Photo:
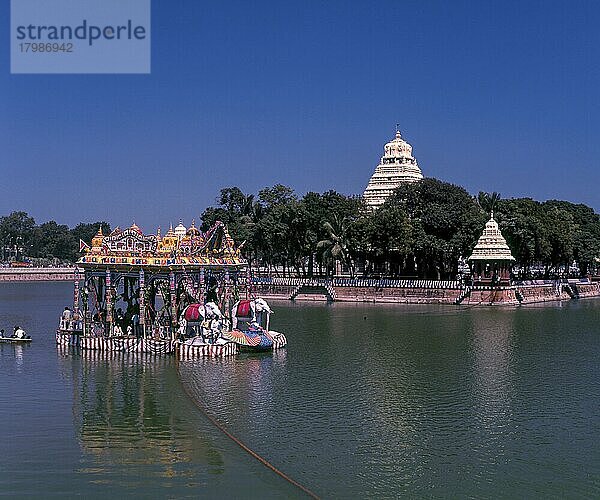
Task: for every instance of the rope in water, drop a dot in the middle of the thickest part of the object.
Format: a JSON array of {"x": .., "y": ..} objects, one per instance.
[{"x": 237, "y": 441}]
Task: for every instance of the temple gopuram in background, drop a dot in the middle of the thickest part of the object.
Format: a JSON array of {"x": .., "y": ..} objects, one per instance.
[
  {"x": 491, "y": 261},
  {"x": 397, "y": 166}
]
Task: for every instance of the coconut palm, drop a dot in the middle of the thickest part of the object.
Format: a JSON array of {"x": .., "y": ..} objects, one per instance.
[
  {"x": 335, "y": 246},
  {"x": 488, "y": 201}
]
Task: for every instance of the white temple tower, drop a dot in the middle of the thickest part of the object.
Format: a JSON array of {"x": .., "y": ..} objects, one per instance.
[{"x": 396, "y": 167}]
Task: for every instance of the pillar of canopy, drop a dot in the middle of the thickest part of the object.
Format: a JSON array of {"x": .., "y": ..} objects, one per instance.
[{"x": 491, "y": 261}]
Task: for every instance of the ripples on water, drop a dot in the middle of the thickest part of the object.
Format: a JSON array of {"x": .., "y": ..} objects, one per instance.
[
  {"x": 420, "y": 401},
  {"x": 367, "y": 401},
  {"x": 97, "y": 424}
]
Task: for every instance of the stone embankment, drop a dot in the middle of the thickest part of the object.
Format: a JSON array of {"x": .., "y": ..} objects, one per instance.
[
  {"x": 424, "y": 291},
  {"x": 375, "y": 290},
  {"x": 37, "y": 274}
]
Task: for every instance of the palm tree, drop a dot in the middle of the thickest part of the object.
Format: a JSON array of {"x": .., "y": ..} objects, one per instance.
[
  {"x": 488, "y": 201},
  {"x": 335, "y": 246}
]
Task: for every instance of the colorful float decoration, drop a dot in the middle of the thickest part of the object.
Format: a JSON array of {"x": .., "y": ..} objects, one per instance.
[{"x": 161, "y": 294}]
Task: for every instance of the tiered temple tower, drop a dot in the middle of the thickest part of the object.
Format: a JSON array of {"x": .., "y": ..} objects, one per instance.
[
  {"x": 397, "y": 166},
  {"x": 491, "y": 260}
]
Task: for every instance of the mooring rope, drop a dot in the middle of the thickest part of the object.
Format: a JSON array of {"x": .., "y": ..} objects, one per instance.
[{"x": 237, "y": 441}]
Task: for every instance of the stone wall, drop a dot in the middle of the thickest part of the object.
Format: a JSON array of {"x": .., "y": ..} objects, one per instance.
[
  {"x": 589, "y": 290},
  {"x": 425, "y": 295},
  {"x": 397, "y": 295},
  {"x": 275, "y": 291},
  {"x": 37, "y": 274},
  {"x": 430, "y": 294},
  {"x": 489, "y": 296}
]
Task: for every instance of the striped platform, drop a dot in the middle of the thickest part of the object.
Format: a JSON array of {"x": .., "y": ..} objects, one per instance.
[
  {"x": 156, "y": 347},
  {"x": 67, "y": 339},
  {"x": 127, "y": 344},
  {"x": 279, "y": 340},
  {"x": 191, "y": 351}
]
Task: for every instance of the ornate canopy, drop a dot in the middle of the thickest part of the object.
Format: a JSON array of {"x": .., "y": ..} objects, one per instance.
[{"x": 180, "y": 248}]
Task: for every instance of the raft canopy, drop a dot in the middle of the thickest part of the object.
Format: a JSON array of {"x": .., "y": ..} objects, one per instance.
[
  {"x": 491, "y": 245},
  {"x": 187, "y": 249}
]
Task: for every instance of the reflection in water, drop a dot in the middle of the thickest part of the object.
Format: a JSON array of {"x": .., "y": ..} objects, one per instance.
[
  {"x": 366, "y": 401},
  {"x": 242, "y": 385},
  {"x": 19, "y": 358},
  {"x": 14, "y": 354},
  {"x": 123, "y": 415},
  {"x": 492, "y": 352}
]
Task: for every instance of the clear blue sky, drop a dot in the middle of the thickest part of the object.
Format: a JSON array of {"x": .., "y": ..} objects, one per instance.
[{"x": 498, "y": 96}]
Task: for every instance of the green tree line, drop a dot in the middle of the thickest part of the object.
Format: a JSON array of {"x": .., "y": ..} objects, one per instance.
[
  {"x": 22, "y": 239},
  {"x": 423, "y": 230}
]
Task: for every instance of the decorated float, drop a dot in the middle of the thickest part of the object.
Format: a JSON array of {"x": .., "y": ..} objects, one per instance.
[{"x": 187, "y": 292}]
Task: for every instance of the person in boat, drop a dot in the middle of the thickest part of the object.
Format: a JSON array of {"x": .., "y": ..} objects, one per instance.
[{"x": 19, "y": 333}]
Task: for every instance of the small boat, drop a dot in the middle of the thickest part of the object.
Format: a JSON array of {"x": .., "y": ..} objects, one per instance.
[{"x": 15, "y": 340}]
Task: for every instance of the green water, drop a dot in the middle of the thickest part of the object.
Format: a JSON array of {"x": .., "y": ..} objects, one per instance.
[{"x": 366, "y": 401}]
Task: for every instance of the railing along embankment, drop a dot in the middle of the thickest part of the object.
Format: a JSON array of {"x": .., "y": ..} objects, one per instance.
[
  {"x": 412, "y": 291},
  {"x": 37, "y": 273}
]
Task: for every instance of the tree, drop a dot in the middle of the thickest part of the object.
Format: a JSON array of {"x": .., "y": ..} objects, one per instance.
[
  {"x": 335, "y": 246},
  {"x": 54, "y": 241},
  {"x": 488, "y": 201},
  {"x": 387, "y": 238},
  {"x": 320, "y": 208},
  {"x": 16, "y": 233},
  {"x": 446, "y": 222},
  {"x": 276, "y": 195}
]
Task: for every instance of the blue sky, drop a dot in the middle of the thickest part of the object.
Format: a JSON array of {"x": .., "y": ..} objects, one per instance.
[{"x": 497, "y": 96}]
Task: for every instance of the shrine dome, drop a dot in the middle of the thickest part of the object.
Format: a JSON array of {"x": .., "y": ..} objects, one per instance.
[
  {"x": 180, "y": 230},
  {"x": 193, "y": 230},
  {"x": 397, "y": 147},
  {"x": 491, "y": 245}
]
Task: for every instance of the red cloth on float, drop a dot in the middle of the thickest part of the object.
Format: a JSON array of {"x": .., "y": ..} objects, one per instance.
[
  {"x": 192, "y": 313},
  {"x": 243, "y": 309}
]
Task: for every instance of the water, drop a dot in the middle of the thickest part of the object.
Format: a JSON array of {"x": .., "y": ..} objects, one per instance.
[{"x": 366, "y": 401}]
